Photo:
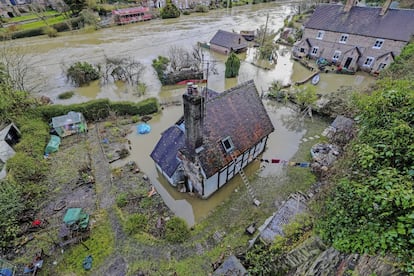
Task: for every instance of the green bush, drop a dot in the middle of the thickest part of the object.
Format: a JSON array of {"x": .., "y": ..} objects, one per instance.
[
  {"x": 10, "y": 208},
  {"x": 176, "y": 230},
  {"x": 170, "y": 11},
  {"x": 136, "y": 223},
  {"x": 66, "y": 95},
  {"x": 81, "y": 73},
  {"x": 27, "y": 33},
  {"x": 186, "y": 12},
  {"x": 232, "y": 66},
  {"x": 201, "y": 8},
  {"x": 73, "y": 23},
  {"x": 122, "y": 200},
  {"x": 100, "y": 108},
  {"x": 50, "y": 31},
  {"x": 160, "y": 65}
]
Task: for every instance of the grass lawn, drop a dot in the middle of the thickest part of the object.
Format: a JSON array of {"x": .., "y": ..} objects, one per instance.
[
  {"x": 28, "y": 17},
  {"x": 38, "y": 24}
]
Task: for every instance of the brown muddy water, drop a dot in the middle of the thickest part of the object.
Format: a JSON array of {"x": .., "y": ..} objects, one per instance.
[{"x": 147, "y": 40}]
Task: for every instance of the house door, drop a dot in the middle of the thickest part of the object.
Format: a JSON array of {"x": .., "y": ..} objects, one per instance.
[{"x": 347, "y": 62}]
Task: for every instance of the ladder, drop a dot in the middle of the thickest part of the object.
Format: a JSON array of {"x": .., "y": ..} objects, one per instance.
[{"x": 245, "y": 180}]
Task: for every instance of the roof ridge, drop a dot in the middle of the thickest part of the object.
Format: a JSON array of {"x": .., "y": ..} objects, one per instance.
[{"x": 228, "y": 91}]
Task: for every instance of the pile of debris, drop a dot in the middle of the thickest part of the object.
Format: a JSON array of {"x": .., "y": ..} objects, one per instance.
[{"x": 323, "y": 156}]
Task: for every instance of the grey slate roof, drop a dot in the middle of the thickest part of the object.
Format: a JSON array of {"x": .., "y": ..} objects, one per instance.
[
  {"x": 231, "y": 266},
  {"x": 396, "y": 24},
  {"x": 165, "y": 152},
  {"x": 229, "y": 40}
]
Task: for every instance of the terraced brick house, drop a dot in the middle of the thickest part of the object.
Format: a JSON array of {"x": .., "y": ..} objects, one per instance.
[
  {"x": 219, "y": 134},
  {"x": 356, "y": 37}
]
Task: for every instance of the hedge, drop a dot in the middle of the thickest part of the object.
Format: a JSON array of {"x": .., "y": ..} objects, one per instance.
[
  {"x": 73, "y": 23},
  {"x": 99, "y": 109}
]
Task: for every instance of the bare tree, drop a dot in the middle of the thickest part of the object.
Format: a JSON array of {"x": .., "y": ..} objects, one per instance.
[
  {"x": 125, "y": 69},
  {"x": 16, "y": 66}
]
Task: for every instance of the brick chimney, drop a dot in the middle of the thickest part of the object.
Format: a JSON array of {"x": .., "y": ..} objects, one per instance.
[
  {"x": 193, "y": 118},
  {"x": 349, "y": 4},
  {"x": 385, "y": 7}
]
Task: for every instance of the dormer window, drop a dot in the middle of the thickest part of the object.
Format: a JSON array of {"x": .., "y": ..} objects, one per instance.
[
  {"x": 378, "y": 44},
  {"x": 320, "y": 35},
  {"x": 227, "y": 144},
  {"x": 344, "y": 38}
]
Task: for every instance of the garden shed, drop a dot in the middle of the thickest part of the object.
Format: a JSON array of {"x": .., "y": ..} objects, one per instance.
[
  {"x": 69, "y": 124},
  {"x": 9, "y": 136}
]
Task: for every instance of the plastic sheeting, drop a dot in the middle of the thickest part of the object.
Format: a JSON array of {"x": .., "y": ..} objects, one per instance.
[{"x": 143, "y": 128}]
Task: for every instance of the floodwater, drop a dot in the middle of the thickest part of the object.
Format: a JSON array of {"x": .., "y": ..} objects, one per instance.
[
  {"x": 282, "y": 144},
  {"x": 146, "y": 41}
]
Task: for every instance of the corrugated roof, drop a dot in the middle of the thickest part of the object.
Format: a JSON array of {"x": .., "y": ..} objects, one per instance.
[
  {"x": 229, "y": 40},
  {"x": 396, "y": 24},
  {"x": 70, "y": 118}
]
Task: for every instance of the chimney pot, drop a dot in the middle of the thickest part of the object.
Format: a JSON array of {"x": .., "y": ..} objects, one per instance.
[
  {"x": 189, "y": 88},
  {"x": 195, "y": 89}
]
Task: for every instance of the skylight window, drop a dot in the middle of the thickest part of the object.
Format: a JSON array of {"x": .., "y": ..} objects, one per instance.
[{"x": 227, "y": 144}]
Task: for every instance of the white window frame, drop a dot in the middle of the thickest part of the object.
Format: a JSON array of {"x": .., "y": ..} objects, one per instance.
[
  {"x": 227, "y": 144},
  {"x": 314, "y": 51},
  {"x": 378, "y": 44},
  {"x": 320, "y": 35},
  {"x": 369, "y": 61},
  {"x": 344, "y": 38},
  {"x": 382, "y": 66},
  {"x": 336, "y": 55}
]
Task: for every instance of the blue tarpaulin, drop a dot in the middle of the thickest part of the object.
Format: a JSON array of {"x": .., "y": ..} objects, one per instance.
[{"x": 143, "y": 128}]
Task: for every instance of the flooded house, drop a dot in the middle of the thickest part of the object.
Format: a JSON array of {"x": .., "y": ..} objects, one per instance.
[
  {"x": 356, "y": 37},
  {"x": 226, "y": 42},
  {"x": 9, "y": 136},
  {"x": 219, "y": 134}
]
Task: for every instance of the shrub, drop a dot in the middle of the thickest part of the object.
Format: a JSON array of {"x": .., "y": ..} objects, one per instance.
[
  {"x": 186, "y": 12},
  {"x": 176, "y": 230},
  {"x": 81, "y": 73},
  {"x": 232, "y": 66},
  {"x": 201, "y": 8},
  {"x": 136, "y": 223},
  {"x": 160, "y": 65},
  {"x": 170, "y": 11},
  {"x": 50, "y": 31},
  {"x": 66, "y": 95},
  {"x": 121, "y": 200},
  {"x": 27, "y": 33},
  {"x": 98, "y": 109}
]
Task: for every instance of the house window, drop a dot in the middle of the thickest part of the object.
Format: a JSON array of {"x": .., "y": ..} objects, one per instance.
[
  {"x": 378, "y": 44},
  {"x": 320, "y": 35},
  {"x": 314, "y": 51},
  {"x": 227, "y": 144},
  {"x": 336, "y": 55},
  {"x": 382, "y": 66},
  {"x": 302, "y": 50},
  {"x": 369, "y": 61},
  {"x": 344, "y": 38}
]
